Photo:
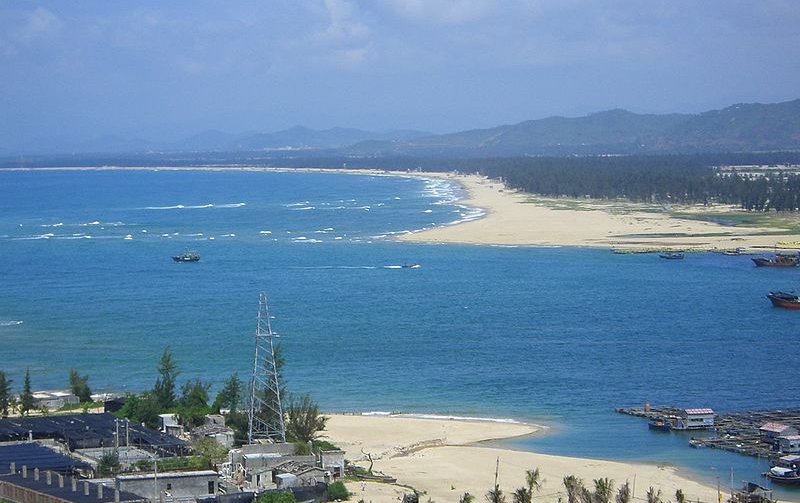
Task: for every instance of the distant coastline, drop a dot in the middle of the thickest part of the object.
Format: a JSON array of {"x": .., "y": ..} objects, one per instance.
[{"x": 512, "y": 218}]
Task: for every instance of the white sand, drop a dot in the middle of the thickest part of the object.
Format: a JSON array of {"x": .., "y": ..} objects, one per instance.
[
  {"x": 515, "y": 218},
  {"x": 439, "y": 457}
]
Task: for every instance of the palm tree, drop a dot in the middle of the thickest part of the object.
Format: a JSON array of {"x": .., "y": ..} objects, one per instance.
[
  {"x": 521, "y": 495},
  {"x": 534, "y": 481},
  {"x": 573, "y": 486},
  {"x": 586, "y": 495},
  {"x": 653, "y": 496},
  {"x": 624, "y": 493},
  {"x": 603, "y": 489},
  {"x": 496, "y": 495}
]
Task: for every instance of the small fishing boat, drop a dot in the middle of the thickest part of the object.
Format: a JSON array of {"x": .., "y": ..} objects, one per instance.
[
  {"x": 780, "y": 260},
  {"x": 784, "y": 300},
  {"x": 659, "y": 424},
  {"x": 672, "y": 255},
  {"x": 188, "y": 256},
  {"x": 785, "y": 470},
  {"x": 410, "y": 265}
]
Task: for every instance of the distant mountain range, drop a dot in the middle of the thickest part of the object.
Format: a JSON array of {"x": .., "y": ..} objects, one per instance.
[{"x": 738, "y": 128}]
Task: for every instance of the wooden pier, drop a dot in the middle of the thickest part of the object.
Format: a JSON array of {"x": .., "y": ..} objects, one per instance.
[{"x": 734, "y": 431}]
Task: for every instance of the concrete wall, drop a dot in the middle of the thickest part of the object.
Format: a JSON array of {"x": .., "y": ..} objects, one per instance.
[{"x": 181, "y": 485}]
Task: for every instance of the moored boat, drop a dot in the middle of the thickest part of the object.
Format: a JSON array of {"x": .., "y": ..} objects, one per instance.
[
  {"x": 672, "y": 255},
  {"x": 784, "y": 300},
  {"x": 780, "y": 260},
  {"x": 659, "y": 424},
  {"x": 785, "y": 470},
  {"x": 188, "y": 256}
]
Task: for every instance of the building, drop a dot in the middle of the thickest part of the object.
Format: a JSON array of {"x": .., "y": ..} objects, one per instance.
[
  {"x": 298, "y": 474},
  {"x": 333, "y": 462},
  {"x": 215, "y": 429},
  {"x": 789, "y": 443},
  {"x": 53, "y": 400},
  {"x": 769, "y": 432},
  {"x": 168, "y": 423},
  {"x": 31, "y": 455},
  {"x": 171, "y": 486},
  {"x": 694, "y": 419},
  {"x": 33, "y": 486},
  {"x": 86, "y": 431}
]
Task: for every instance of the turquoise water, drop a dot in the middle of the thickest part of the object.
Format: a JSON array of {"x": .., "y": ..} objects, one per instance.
[{"x": 559, "y": 336}]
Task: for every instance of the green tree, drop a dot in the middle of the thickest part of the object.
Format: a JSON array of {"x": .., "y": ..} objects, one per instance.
[
  {"x": 5, "y": 394},
  {"x": 230, "y": 396},
  {"x": 164, "y": 389},
  {"x": 304, "y": 421},
  {"x": 277, "y": 497},
  {"x": 624, "y": 493},
  {"x": 209, "y": 451},
  {"x": 533, "y": 481},
  {"x": 679, "y": 496},
  {"x": 193, "y": 404},
  {"x": 653, "y": 496},
  {"x": 521, "y": 495},
  {"x": 26, "y": 402},
  {"x": 79, "y": 385},
  {"x": 466, "y": 498},
  {"x": 573, "y": 485},
  {"x": 338, "y": 491},
  {"x": 141, "y": 409},
  {"x": 108, "y": 465},
  {"x": 603, "y": 490},
  {"x": 495, "y": 495}
]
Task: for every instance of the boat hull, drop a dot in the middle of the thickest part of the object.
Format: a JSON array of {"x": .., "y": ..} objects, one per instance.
[
  {"x": 789, "y": 481},
  {"x": 784, "y": 301},
  {"x": 765, "y": 262}
]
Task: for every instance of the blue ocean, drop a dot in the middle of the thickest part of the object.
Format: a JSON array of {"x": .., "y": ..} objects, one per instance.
[{"x": 557, "y": 336}]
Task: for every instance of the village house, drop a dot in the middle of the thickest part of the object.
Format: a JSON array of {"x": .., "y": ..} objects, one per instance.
[{"x": 769, "y": 432}]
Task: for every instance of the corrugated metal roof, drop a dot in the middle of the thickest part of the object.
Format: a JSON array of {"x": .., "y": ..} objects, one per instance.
[
  {"x": 774, "y": 427},
  {"x": 698, "y": 411}
]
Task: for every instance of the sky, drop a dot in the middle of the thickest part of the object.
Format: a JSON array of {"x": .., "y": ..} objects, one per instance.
[{"x": 161, "y": 71}]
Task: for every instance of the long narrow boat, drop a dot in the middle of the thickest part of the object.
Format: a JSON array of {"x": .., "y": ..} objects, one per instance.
[
  {"x": 778, "y": 261},
  {"x": 784, "y": 300}
]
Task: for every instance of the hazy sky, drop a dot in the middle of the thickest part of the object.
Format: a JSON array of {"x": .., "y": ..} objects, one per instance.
[{"x": 168, "y": 69}]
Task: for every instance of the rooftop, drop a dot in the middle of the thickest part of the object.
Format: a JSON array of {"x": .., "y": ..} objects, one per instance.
[{"x": 66, "y": 493}]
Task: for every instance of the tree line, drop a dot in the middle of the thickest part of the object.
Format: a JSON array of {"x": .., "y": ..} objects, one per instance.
[
  {"x": 688, "y": 178},
  {"x": 24, "y": 403}
]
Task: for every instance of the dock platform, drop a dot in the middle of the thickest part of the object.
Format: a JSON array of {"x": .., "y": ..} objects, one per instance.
[{"x": 734, "y": 431}]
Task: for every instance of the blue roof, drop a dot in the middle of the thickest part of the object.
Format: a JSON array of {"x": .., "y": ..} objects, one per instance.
[
  {"x": 66, "y": 493},
  {"x": 87, "y": 431},
  {"x": 34, "y": 455}
]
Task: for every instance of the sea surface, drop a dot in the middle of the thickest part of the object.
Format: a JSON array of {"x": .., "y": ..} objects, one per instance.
[{"x": 557, "y": 336}]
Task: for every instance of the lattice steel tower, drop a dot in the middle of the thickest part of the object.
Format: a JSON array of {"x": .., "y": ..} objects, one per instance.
[{"x": 265, "y": 418}]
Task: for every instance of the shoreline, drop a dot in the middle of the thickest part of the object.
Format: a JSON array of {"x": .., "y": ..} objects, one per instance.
[
  {"x": 506, "y": 217},
  {"x": 445, "y": 457},
  {"x": 514, "y": 218}
]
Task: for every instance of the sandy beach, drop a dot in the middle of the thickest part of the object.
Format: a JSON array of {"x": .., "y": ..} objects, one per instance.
[
  {"x": 444, "y": 459},
  {"x": 516, "y": 218}
]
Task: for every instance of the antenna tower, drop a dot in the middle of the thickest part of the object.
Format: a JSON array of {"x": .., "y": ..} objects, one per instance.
[{"x": 265, "y": 418}]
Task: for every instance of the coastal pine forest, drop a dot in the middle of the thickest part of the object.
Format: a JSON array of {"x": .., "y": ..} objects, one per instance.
[{"x": 758, "y": 182}]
